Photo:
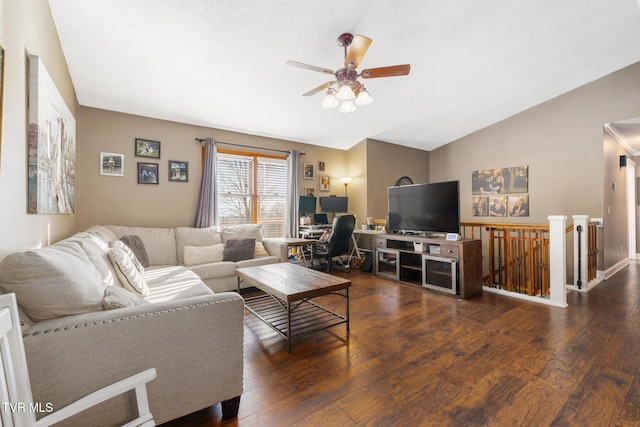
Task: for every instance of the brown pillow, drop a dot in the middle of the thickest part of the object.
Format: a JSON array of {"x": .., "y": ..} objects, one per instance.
[
  {"x": 134, "y": 242},
  {"x": 239, "y": 249}
]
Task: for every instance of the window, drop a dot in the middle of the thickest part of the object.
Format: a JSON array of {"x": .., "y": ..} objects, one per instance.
[{"x": 252, "y": 188}]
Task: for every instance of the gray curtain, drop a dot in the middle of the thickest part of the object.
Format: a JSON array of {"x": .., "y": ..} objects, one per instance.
[
  {"x": 291, "y": 220},
  {"x": 207, "y": 213}
]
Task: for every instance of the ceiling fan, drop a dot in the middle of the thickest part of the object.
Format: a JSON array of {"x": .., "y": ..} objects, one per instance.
[{"x": 346, "y": 86}]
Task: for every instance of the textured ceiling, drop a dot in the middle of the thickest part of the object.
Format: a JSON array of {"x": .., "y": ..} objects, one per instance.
[{"x": 221, "y": 64}]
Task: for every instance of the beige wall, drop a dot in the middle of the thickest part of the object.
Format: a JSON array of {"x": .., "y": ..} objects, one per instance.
[
  {"x": 562, "y": 143},
  {"x": 357, "y": 189},
  {"x": 28, "y": 29},
  {"x": 615, "y": 203},
  {"x": 385, "y": 164},
  {"x": 373, "y": 165},
  {"x": 121, "y": 200}
]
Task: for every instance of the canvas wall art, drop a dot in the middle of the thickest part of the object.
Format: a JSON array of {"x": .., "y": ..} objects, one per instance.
[
  {"x": 501, "y": 181},
  {"x": 51, "y": 146}
]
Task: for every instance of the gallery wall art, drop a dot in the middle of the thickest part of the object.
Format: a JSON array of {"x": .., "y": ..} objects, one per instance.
[
  {"x": 501, "y": 192},
  {"x": 51, "y": 146}
]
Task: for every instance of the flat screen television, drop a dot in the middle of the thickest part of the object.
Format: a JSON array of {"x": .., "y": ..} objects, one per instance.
[
  {"x": 433, "y": 207},
  {"x": 307, "y": 204},
  {"x": 334, "y": 204}
]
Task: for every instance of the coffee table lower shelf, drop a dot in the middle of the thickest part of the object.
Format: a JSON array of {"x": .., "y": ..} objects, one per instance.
[{"x": 298, "y": 318}]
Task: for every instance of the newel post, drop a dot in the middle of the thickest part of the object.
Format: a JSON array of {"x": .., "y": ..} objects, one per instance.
[
  {"x": 580, "y": 251},
  {"x": 558, "y": 259}
]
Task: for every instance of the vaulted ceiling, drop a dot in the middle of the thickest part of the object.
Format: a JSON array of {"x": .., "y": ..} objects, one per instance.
[{"x": 221, "y": 63}]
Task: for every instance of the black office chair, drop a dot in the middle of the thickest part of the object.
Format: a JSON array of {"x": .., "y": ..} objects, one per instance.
[{"x": 338, "y": 243}]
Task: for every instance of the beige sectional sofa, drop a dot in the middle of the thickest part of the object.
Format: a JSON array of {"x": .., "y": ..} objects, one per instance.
[
  {"x": 168, "y": 246},
  {"x": 192, "y": 335}
]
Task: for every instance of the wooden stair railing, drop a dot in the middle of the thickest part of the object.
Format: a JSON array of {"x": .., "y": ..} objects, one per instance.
[{"x": 518, "y": 256}]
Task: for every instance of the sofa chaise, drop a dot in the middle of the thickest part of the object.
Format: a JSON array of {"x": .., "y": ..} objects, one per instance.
[{"x": 89, "y": 318}]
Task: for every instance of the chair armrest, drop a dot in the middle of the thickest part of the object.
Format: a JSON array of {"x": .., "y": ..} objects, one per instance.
[
  {"x": 137, "y": 382},
  {"x": 276, "y": 247}
]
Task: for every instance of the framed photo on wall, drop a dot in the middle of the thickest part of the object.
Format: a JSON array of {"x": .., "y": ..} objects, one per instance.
[
  {"x": 308, "y": 170},
  {"x": 147, "y": 148},
  {"x": 310, "y": 191},
  {"x": 178, "y": 171},
  {"x": 325, "y": 183},
  {"x": 111, "y": 164},
  {"x": 147, "y": 173}
]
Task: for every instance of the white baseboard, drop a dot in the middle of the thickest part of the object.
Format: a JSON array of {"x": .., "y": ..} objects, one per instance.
[
  {"x": 615, "y": 268},
  {"x": 525, "y": 297}
]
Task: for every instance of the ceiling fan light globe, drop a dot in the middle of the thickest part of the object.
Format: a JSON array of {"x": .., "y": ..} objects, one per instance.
[
  {"x": 345, "y": 93},
  {"x": 347, "y": 107},
  {"x": 330, "y": 101},
  {"x": 364, "y": 98}
]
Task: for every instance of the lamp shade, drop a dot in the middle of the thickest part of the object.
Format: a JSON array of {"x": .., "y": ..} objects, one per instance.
[
  {"x": 364, "y": 98},
  {"x": 345, "y": 179},
  {"x": 347, "y": 107},
  {"x": 330, "y": 100},
  {"x": 345, "y": 93}
]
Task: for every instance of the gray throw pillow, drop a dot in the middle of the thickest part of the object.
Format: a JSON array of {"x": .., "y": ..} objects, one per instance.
[
  {"x": 239, "y": 249},
  {"x": 137, "y": 247}
]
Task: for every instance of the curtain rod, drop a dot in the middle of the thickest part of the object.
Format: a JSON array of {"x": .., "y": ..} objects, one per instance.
[{"x": 201, "y": 140}]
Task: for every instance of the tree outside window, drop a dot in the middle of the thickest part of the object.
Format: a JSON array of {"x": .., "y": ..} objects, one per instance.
[{"x": 252, "y": 188}]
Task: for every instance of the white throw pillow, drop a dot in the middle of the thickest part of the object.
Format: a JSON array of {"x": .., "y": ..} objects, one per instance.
[
  {"x": 118, "y": 244},
  {"x": 129, "y": 275},
  {"x": 190, "y": 236},
  {"x": 198, "y": 255},
  {"x": 116, "y": 297}
]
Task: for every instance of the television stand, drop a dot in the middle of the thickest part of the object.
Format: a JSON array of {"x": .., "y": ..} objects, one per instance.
[{"x": 453, "y": 267}]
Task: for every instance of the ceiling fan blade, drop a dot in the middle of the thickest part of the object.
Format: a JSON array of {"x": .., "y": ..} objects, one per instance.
[
  {"x": 358, "y": 48},
  {"x": 391, "y": 71},
  {"x": 310, "y": 67},
  {"x": 319, "y": 88}
]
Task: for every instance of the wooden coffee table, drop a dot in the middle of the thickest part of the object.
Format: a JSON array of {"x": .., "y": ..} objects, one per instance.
[{"x": 287, "y": 307}]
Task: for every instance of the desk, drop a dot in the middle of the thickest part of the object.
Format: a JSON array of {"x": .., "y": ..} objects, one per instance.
[
  {"x": 293, "y": 242},
  {"x": 307, "y": 232},
  {"x": 357, "y": 241}
]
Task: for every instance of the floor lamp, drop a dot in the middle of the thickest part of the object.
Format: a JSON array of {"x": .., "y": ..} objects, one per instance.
[{"x": 345, "y": 180}]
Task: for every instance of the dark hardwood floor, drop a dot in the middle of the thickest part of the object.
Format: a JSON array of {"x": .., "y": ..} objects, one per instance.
[{"x": 415, "y": 357}]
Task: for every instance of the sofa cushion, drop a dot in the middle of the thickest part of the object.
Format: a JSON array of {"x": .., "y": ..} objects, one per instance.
[
  {"x": 117, "y": 297},
  {"x": 97, "y": 250},
  {"x": 214, "y": 270},
  {"x": 58, "y": 280},
  {"x": 134, "y": 242},
  {"x": 129, "y": 275},
  {"x": 239, "y": 249},
  {"x": 191, "y": 236},
  {"x": 173, "y": 283},
  {"x": 160, "y": 243},
  {"x": 196, "y": 255},
  {"x": 242, "y": 231},
  {"x": 102, "y": 232}
]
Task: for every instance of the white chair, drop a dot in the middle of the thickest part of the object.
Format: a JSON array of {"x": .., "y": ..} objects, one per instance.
[{"x": 16, "y": 402}]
